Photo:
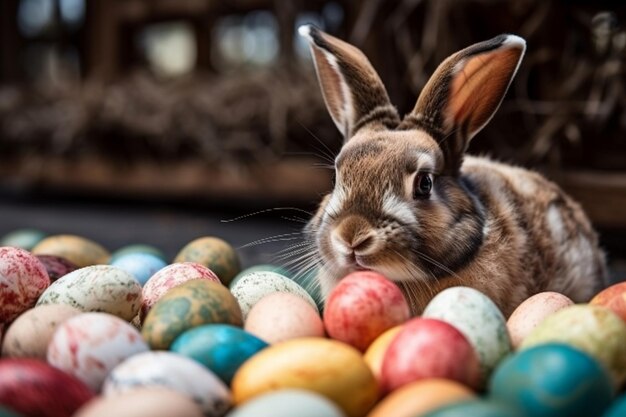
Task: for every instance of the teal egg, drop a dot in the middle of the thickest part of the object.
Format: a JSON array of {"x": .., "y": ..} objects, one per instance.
[
  {"x": 308, "y": 281},
  {"x": 553, "y": 380},
  {"x": 23, "y": 238},
  {"x": 5, "y": 412},
  {"x": 141, "y": 265},
  {"x": 220, "y": 347},
  {"x": 137, "y": 248},
  {"x": 476, "y": 408},
  {"x": 618, "y": 409}
]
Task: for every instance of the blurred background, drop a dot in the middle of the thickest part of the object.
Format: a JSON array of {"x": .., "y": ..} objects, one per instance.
[{"x": 154, "y": 121}]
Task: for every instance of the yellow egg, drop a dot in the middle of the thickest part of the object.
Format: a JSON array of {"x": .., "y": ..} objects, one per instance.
[
  {"x": 78, "y": 250},
  {"x": 216, "y": 254},
  {"x": 376, "y": 351},
  {"x": 328, "y": 367}
]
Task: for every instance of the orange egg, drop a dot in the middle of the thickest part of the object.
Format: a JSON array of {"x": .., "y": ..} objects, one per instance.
[
  {"x": 614, "y": 298},
  {"x": 376, "y": 352}
]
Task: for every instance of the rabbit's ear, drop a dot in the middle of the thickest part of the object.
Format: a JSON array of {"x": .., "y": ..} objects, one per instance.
[
  {"x": 354, "y": 94},
  {"x": 464, "y": 93}
]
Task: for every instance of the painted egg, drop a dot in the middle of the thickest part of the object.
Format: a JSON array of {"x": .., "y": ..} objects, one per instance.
[
  {"x": 30, "y": 333},
  {"x": 216, "y": 254},
  {"x": 282, "y": 316},
  {"x": 614, "y": 298},
  {"x": 220, "y": 347},
  {"x": 256, "y": 285},
  {"x": 260, "y": 268},
  {"x": 56, "y": 266},
  {"x": 173, "y": 371},
  {"x": 429, "y": 348},
  {"x": 552, "y": 380},
  {"x": 327, "y": 367},
  {"x": 169, "y": 277},
  {"x": 22, "y": 280},
  {"x": 362, "y": 306},
  {"x": 137, "y": 248},
  {"x": 33, "y": 388},
  {"x": 23, "y": 238},
  {"x": 189, "y": 305},
  {"x": 288, "y": 403},
  {"x": 308, "y": 280},
  {"x": 5, "y": 412},
  {"x": 476, "y": 408},
  {"x": 142, "y": 402},
  {"x": 88, "y": 346},
  {"x": 140, "y": 265},
  {"x": 532, "y": 312},
  {"x": 618, "y": 408},
  {"x": 78, "y": 250},
  {"x": 478, "y": 318},
  {"x": 101, "y": 288},
  {"x": 421, "y": 397},
  {"x": 375, "y": 353},
  {"x": 593, "y": 329}
]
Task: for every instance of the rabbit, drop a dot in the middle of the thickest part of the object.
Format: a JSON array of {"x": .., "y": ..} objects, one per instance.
[{"x": 409, "y": 204}]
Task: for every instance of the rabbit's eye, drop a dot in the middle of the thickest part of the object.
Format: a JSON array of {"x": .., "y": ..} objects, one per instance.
[{"x": 422, "y": 185}]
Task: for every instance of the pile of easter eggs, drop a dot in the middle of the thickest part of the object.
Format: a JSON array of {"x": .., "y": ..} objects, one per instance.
[{"x": 89, "y": 333}]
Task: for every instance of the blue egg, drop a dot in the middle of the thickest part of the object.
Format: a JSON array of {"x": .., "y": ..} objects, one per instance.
[
  {"x": 618, "y": 409},
  {"x": 140, "y": 265},
  {"x": 137, "y": 248},
  {"x": 23, "y": 238},
  {"x": 476, "y": 408},
  {"x": 553, "y": 380},
  {"x": 220, "y": 347}
]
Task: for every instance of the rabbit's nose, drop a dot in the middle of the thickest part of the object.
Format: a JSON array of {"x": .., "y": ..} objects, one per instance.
[{"x": 351, "y": 241}]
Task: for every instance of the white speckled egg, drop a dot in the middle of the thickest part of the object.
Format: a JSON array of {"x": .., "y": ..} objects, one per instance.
[
  {"x": 478, "y": 318},
  {"x": 176, "y": 372},
  {"x": 250, "y": 288},
  {"x": 88, "y": 346},
  {"x": 288, "y": 403},
  {"x": 102, "y": 288}
]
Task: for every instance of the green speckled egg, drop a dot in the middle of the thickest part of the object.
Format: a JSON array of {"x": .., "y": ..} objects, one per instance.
[
  {"x": 137, "y": 248},
  {"x": 78, "y": 250},
  {"x": 189, "y": 305},
  {"x": 23, "y": 238},
  {"x": 216, "y": 254},
  {"x": 259, "y": 268},
  {"x": 593, "y": 329}
]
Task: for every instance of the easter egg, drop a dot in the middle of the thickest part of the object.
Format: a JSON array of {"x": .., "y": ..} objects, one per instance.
[
  {"x": 614, "y": 298},
  {"x": 29, "y": 335},
  {"x": 533, "y": 311},
  {"x": 90, "y": 345},
  {"x": 100, "y": 288},
  {"x": 476, "y": 408},
  {"x": 23, "y": 238},
  {"x": 173, "y": 371},
  {"x": 169, "y": 277},
  {"x": 375, "y": 353},
  {"x": 362, "y": 306},
  {"x": 282, "y": 316},
  {"x": 33, "y": 388},
  {"x": 56, "y": 267},
  {"x": 220, "y": 347},
  {"x": 308, "y": 280},
  {"x": 140, "y": 265},
  {"x": 78, "y": 250},
  {"x": 260, "y": 268},
  {"x": 327, "y": 367},
  {"x": 421, "y": 397},
  {"x": 552, "y": 380},
  {"x": 288, "y": 403},
  {"x": 137, "y": 248},
  {"x": 189, "y": 305},
  {"x": 256, "y": 285},
  {"x": 142, "y": 402},
  {"x": 478, "y": 318},
  {"x": 214, "y": 253},
  {"x": 22, "y": 280},
  {"x": 593, "y": 329},
  {"x": 429, "y": 348},
  {"x": 5, "y": 412},
  {"x": 618, "y": 408}
]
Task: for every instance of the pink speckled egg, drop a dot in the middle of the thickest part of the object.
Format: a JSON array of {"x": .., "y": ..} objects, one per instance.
[
  {"x": 169, "y": 277},
  {"x": 532, "y": 312},
  {"x": 56, "y": 266},
  {"x": 88, "y": 346},
  {"x": 23, "y": 279},
  {"x": 282, "y": 316}
]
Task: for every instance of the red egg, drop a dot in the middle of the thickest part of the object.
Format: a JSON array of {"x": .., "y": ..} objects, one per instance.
[
  {"x": 429, "y": 348},
  {"x": 56, "y": 266},
  {"x": 613, "y": 298},
  {"x": 362, "y": 306},
  {"x": 35, "y": 389}
]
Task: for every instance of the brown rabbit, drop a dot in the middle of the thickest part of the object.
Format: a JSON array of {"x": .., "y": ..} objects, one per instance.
[{"x": 408, "y": 202}]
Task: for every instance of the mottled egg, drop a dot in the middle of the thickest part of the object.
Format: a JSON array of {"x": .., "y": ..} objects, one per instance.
[
  {"x": 362, "y": 306},
  {"x": 593, "y": 329},
  {"x": 478, "y": 318},
  {"x": 140, "y": 265},
  {"x": 88, "y": 346},
  {"x": 30, "y": 333},
  {"x": 78, "y": 250},
  {"x": 56, "y": 266},
  {"x": 375, "y": 353},
  {"x": 216, "y": 254},
  {"x": 173, "y": 371},
  {"x": 22, "y": 280},
  {"x": 552, "y": 380},
  {"x": 476, "y": 408},
  {"x": 103, "y": 288},
  {"x": 189, "y": 305},
  {"x": 532, "y": 312},
  {"x": 23, "y": 238},
  {"x": 137, "y": 248},
  {"x": 35, "y": 389},
  {"x": 288, "y": 403},
  {"x": 421, "y": 397},
  {"x": 260, "y": 268},
  {"x": 220, "y": 347},
  {"x": 256, "y": 285},
  {"x": 327, "y": 367},
  {"x": 169, "y": 277},
  {"x": 618, "y": 408},
  {"x": 282, "y": 316},
  {"x": 614, "y": 298},
  {"x": 429, "y": 348}
]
